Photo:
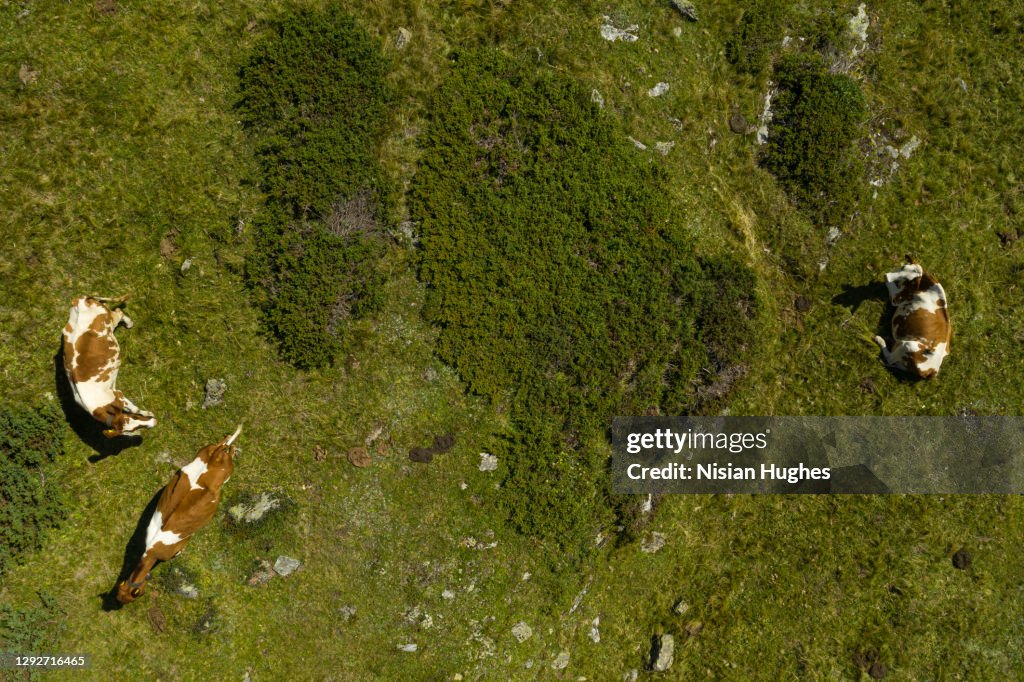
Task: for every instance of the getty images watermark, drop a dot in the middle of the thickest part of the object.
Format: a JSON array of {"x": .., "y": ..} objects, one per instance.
[{"x": 818, "y": 454}]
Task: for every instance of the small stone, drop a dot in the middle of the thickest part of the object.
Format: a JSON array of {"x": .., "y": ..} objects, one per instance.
[
  {"x": 637, "y": 143},
  {"x": 359, "y": 457},
  {"x": 681, "y": 608},
  {"x": 612, "y": 34},
  {"x": 186, "y": 265},
  {"x": 858, "y": 25},
  {"x": 402, "y": 38},
  {"x": 595, "y": 631},
  {"x": 652, "y": 543},
  {"x": 522, "y": 632},
  {"x": 285, "y": 565},
  {"x": 908, "y": 149},
  {"x": 561, "y": 661},
  {"x": 448, "y": 594},
  {"x": 347, "y": 612},
  {"x": 408, "y": 648},
  {"x": 488, "y": 462},
  {"x": 686, "y": 8},
  {"x": 319, "y": 454},
  {"x": 662, "y": 653},
  {"x": 214, "y": 392},
  {"x": 631, "y": 676},
  {"x": 596, "y": 98},
  {"x": 833, "y": 236},
  {"x": 962, "y": 559},
  {"x": 658, "y": 90},
  {"x": 664, "y": 147}
]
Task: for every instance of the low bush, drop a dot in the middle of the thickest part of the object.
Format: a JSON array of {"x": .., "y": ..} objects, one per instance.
[
  {"x": 30, "y": 439},
  {"x": 561, "y": 277},
  {"x": 33, "y": 629},
  {"x": 316, "y": 103},
  {"x": 757, "y": 36},
  {"x": 818, "y": 117}
]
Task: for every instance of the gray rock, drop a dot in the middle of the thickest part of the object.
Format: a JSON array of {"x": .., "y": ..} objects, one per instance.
[
  {"x": 255, "y": 509},
  {"x": 595, "y": 630},
  {"x": 409, "y": 648},
  {"x": 561, "y": 661},
  {"x": 186, "y": 265},
  {"x": 215, "y": 389},
  {"x": 402, "y": 38},
  {"x": 658, "y": 90},
  {"x": 488, "y": 462},
  {"x": 637, "y": 143},
  {"x": 681, "y": 608},
  {"x": 686, "y": 8},
  {"x": 611, "y": 34},
  {"x": 652, "y": 542},
  {"x": 664, "y": 147},
  {"x": 285, "y": 565},
  {"x": 448, "y": 594},
  {"x": 347, "y": 612},
  {"x": 597, "y": 98},
  {"x": 662, "y": 653},
  {"x": 631, "y": 675},
  {"x": 522, "y": 632}
]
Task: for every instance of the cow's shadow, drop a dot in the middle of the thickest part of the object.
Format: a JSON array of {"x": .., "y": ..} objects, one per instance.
[
  {"x": 81, "y": 422},
  {"x": 852, "y": 298},
  {"x": 133, "y": 552}
]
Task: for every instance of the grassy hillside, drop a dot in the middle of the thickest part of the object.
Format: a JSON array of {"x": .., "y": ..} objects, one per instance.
[{"x": 123, "y": 158}]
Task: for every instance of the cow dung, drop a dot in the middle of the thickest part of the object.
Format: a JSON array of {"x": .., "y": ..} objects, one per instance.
[
  {"x": 422, "y": 455},
  {"x": 962, "y": 559},
  {"x": 360, "y": 457}
]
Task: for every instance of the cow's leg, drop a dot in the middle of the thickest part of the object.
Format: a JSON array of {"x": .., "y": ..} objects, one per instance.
[
  {"x": 892, "y": 358},
  {"x": 129, "y": 406},
  {"x": 121, "y": 318}
]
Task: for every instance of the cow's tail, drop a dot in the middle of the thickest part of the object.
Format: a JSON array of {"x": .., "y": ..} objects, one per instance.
[
  {"x": 231, "y": 439},
  {"x": 112, "y": 302}
]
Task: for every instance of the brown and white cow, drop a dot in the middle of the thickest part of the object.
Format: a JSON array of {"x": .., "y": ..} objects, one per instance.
[
  {"x": 186, "y": 504},
  {"x": 92, "y": 358},
  {"x": 920, "y": 326}
]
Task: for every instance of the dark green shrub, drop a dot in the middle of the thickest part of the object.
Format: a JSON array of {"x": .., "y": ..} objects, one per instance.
[
  {"x": 316, "y": 103},
  {"x": 29, "y": 503},
  {"x": 812, "y": 143},
  {"x": 559, "y": 273},
  {"x": 757, "y": 36}
]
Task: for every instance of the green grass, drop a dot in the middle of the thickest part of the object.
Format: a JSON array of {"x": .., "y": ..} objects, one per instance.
[{"x": 127, "y": 137}]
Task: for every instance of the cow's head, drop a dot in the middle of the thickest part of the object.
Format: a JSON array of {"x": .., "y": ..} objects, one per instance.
[
  {"x": 132, "y": 588},
  {"x": 121, "y": 421}
]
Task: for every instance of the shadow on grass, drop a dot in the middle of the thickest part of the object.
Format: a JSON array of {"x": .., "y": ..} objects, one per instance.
[
  {"x": 853, "y": 296},
  {"x": 81, "y": 422},
  {"x": 133, "y": 552}
]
